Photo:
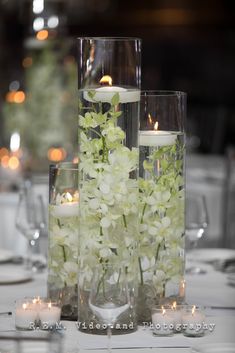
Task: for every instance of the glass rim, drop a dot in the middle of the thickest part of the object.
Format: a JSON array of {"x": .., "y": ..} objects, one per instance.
[
  {"x": 162, "y": 93},
  {"x": 121, "y": 39},
  {"x": 65, "y": 166}
]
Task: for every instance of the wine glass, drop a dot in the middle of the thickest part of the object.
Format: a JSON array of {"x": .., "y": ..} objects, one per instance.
[
  {"x": 109, "y": 295},
  {"x": 196, "y": 223},
  {"x": 27, "y": 223}
]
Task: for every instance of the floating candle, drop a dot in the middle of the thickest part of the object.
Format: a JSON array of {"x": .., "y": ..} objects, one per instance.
[
  {"x": 66, "y": 205},
  {"x": 105, "y": 94}
]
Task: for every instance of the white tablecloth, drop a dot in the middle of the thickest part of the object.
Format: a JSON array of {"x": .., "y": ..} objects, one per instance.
[{"x": 210, "y": 289}]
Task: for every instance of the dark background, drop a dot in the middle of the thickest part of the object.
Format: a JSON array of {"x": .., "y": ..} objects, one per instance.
[{"x": 187, "y": 45}]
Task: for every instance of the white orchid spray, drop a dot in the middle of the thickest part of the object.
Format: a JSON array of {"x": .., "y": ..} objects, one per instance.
[
  {"x": 109, "y": 197},
  {"x": 63, "y": 250},
  {"x": 161, "y": 232}
]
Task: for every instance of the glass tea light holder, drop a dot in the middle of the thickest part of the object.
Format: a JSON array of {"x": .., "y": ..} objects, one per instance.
[
  {"x": 26, "y": 314},
  {"x": 193, "y": 318},
  {"x": 49, "y": 316},
  {"x": 163, "y": 321}
]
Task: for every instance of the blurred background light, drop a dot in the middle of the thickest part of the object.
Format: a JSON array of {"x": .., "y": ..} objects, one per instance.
[
  {"x": 38, "y": 24},
  {"x": 42, "y": 35},
  {"x": 27, "y": 61},
  {"x": 19, "y": 97},
  {"x": 3, "y": 152},
  {"x": 4, "y": 161},
  {"x": 13, "y": 162},
  {"x": 15, "y": 142},
  {"x": 56, "y": 154},
  {"x": 38, "y": 6},
  {"x": 53, "y": 21},
  {"x": 14, "y": 86},
  {"x": 15, "y": 97}
]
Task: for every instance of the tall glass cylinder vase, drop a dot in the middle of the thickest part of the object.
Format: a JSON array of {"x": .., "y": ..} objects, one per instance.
[
  {"x": 161, "y": 203},
  {"x": 109, "y": 97},
  {"x": 63, "y": 238}
]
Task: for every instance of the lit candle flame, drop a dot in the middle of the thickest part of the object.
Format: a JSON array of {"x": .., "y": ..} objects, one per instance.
[
  {"x": 193, "y": 309},
  {"x": 24, "y": 306},
  {"x": 150, "y": 119},
  {"x": 163, "y": 311},
  {"x": 174, "y": 305},
  {"x": 36, "y": 300},
  {"x": 106, "y": 80},
  {"x": 156, "y": 126},
  {"x": 69, "y": 197},
  {"x": 49, "y": 305}
]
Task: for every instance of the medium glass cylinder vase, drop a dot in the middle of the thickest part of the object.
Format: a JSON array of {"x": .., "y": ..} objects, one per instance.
[
  {"x": 109, "y": 97},
  {"x": 63, "y": 238},
  {"x": 161, "y": 200}
]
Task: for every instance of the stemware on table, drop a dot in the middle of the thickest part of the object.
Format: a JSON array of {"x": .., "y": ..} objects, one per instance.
[
  {"x": 29, "y": 220},
  {"x": 109, "y": 295},
  {"x": 196, "y": 224}
]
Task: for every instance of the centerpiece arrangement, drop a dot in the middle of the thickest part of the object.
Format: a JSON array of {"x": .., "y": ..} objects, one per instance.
[{"x": 130, "y": 186}]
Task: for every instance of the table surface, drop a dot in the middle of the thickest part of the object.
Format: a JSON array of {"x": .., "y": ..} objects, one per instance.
[{"x": 210, "y": 290}]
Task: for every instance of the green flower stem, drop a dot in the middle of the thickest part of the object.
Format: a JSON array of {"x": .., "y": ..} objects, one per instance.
[
  {"x": 144, "y": 209},
  {"x": 63, "y": 252},
  {"x": 105, "y": 154},
  {"x": 156, "y": 256},
  {"x": 141, "y": 272},
  {"x": 124, "y": 221},
  {"x": 95, "y": 132}
]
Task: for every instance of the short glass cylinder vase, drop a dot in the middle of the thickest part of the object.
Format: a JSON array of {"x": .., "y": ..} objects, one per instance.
[
  {"x": 63, "y": 238},
  {"x": 109, "y": 99},
  {"x": 161, "y": 200}
]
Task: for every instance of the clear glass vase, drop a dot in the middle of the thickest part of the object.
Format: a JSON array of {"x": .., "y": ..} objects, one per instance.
[
  {"x": 161, "y": 200},
  {"x": 109, "y": 97},
  {"x": 63, "y": 238}
]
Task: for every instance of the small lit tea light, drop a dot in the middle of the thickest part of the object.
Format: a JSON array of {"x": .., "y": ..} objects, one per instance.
[
  {"x": 163, "y": 321},
  {"x": 177, "y": 316},
  {"x": 49, "y": 315},
  {"x": 192, "y": 321},
  {"x": 37, "y": 304},
  {"x": 25, "y": 316}
]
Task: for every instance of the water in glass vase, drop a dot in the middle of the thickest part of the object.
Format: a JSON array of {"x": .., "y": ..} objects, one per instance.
[
  {"x": 161, "y": 215},
  {"x": 63, "y": 257}
]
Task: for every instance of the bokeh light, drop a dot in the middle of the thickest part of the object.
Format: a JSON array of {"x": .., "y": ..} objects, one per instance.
[{"x": 42, "y": 35}]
